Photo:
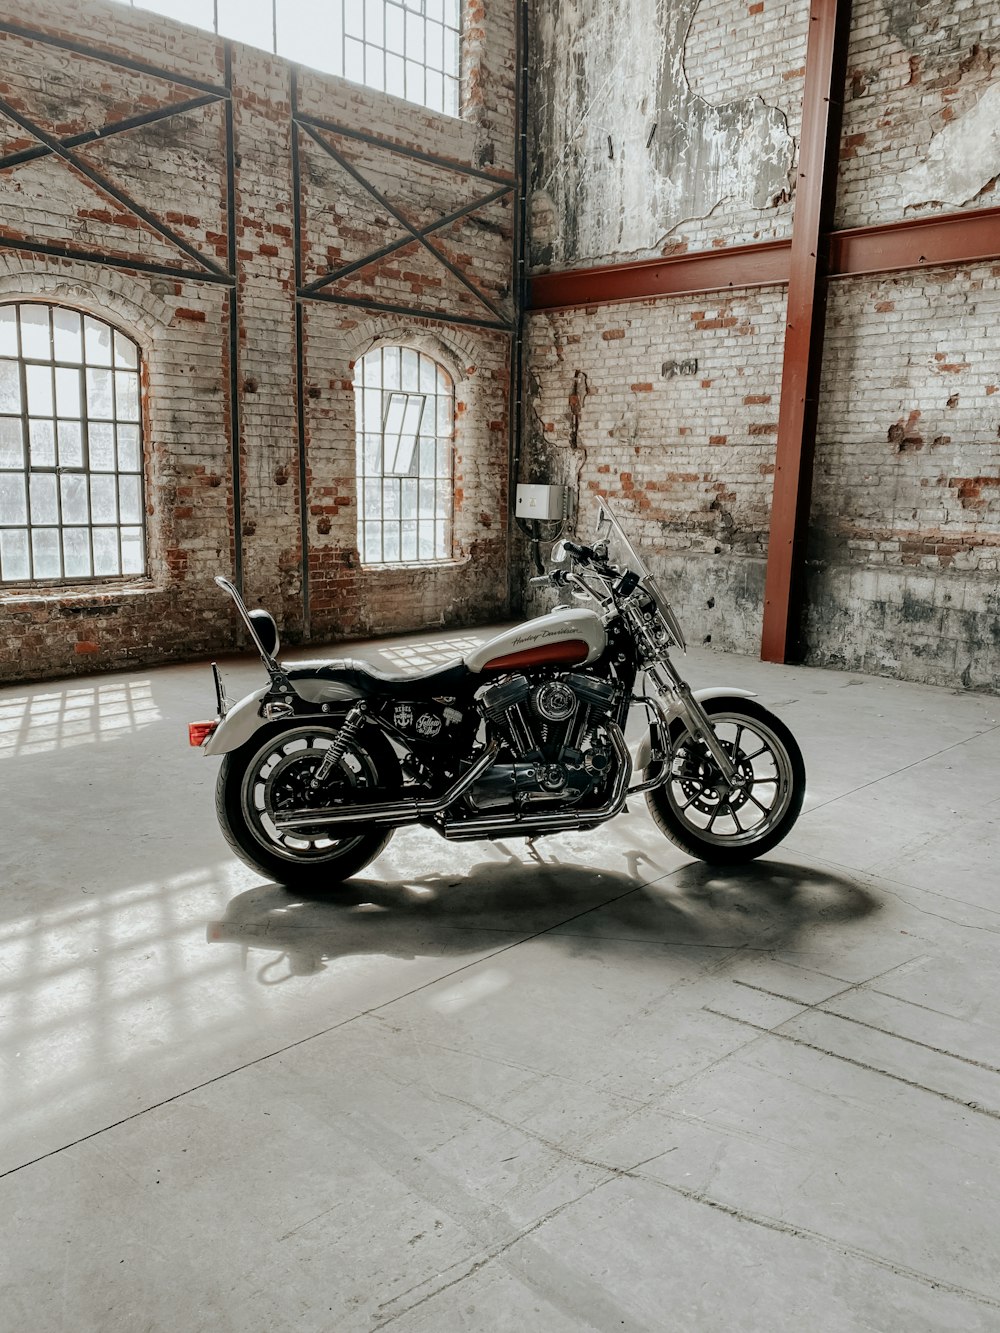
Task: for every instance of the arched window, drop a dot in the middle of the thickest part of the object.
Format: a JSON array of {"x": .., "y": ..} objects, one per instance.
[
  {"x": 405, "y": 413},
  {"x": 71, "y": 458}
]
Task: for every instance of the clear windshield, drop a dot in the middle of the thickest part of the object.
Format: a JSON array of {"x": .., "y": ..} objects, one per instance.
[{"x": 622, "y": 552}]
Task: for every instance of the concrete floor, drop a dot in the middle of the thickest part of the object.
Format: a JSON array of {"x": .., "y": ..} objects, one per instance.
[{"x": 592, "y": 1085}]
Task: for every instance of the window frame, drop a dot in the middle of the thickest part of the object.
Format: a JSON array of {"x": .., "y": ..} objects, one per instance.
[
  {"x": 119, "y": 364},
  {"x": 362, "y": 49},
  {"x": 384, "y": 482}
]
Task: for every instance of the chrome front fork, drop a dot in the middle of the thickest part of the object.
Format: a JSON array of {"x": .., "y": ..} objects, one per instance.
[{"x": 694, "y": 716}]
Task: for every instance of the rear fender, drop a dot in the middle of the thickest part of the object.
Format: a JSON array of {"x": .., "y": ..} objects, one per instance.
[
  {"x": 244, "y": 719},
  {"x": 645, "y": 751}
]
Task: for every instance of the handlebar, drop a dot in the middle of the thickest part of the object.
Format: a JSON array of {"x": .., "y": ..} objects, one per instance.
[{"x": 558, "y": 577}]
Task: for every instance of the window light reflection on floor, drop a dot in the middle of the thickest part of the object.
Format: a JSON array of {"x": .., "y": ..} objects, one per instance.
[
  {"x": 416, "y": 657},
  {"x": 77, "y": 715},
  {"x": 109, "y": 982}
]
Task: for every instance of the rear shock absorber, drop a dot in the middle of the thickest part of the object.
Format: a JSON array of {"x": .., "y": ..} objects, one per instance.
[{"x": 352, "y": 725}]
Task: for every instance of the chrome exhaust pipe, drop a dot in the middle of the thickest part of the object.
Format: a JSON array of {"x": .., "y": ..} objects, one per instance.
[
  {"x": 526, "y": 824},
  {"x": 390, "y": 812}
]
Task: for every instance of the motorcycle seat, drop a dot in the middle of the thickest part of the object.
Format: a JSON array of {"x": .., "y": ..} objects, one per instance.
[{"x": 368, "y": 680}]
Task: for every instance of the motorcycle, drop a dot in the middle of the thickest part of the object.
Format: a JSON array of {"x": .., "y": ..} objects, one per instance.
[{"x": 523, "y": 736}]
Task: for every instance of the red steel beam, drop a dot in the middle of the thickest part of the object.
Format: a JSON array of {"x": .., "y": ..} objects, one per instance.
[
  {"x": 951, "y": 238},
  {"x": 761, "y": 265},
  {"x": 826, "y": 56}
]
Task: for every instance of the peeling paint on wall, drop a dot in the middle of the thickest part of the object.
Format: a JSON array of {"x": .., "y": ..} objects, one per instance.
[
  {"x": 922, "y": 115},
  {"x": 962, "y": 160},
  {"x": 625, "y": 149}
]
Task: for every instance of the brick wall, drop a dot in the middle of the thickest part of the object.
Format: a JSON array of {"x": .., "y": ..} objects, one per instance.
[
  {"x": 906, "y": 501},
  {"x": 671, "y": 409},
  {"x": 223, "y": 467},
  {"x": 906, "y": 516}
]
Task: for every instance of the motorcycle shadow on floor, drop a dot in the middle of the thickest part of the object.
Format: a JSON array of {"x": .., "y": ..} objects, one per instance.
[{"x": 765, "y": 905}]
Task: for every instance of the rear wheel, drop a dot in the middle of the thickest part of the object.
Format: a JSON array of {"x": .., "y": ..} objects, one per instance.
[
  {"x": 727, "y": 823},
  {"x": 266, "y": 777}
]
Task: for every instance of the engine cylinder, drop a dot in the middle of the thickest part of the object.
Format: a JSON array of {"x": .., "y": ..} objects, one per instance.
[
  {"x": 594, "y": 691},
  {"x": 496, "y": 699}
]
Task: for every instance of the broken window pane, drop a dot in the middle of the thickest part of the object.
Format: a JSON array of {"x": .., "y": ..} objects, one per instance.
[
  {"x": 36, "y": 337},
  {"x": 67, "y": 330},
  {"x": 97, "y": 339},
  {"x": 8, "y": 330}
]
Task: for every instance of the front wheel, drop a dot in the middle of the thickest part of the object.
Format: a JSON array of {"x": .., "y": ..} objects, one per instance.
[
  {"x": 726, "y": 823},
  {"x": 268, "y": 775}
]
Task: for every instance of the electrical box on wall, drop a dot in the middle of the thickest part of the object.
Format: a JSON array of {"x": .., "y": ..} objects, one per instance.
[{"x": 540, "y": 504}]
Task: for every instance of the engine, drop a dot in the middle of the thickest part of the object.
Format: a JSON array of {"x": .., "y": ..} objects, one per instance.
[{"x": 557, "y": 748}]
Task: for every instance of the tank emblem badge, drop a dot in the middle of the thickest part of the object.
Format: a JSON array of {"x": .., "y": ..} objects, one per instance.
[{"x": 428, "y": 725}]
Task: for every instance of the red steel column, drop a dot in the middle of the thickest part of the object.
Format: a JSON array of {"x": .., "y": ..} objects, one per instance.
[{"x": 826, "y": 59}]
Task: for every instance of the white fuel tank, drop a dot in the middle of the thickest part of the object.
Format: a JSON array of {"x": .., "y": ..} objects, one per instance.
[{"x": 564, "y": 637}]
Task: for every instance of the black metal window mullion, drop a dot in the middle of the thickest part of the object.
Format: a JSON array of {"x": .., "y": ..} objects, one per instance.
[
  {"x": 114, "y": 445},
  {"x": 25, "y": 441},
  {"x": 57, "y": 475},
  {"x": 85, "y": 448}
]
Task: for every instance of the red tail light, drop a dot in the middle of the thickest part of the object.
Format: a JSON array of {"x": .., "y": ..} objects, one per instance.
[{"x": 199, "y": 732}]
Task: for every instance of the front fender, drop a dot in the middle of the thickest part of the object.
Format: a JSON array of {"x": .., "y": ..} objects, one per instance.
[
  {"x": 645, "y": 751},
  {"x": 244, "y": 719}
]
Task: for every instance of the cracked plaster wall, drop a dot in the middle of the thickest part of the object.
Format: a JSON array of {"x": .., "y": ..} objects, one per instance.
[
  {"x": 661, "y": 125},
  {"x": 921, "y": 130}
]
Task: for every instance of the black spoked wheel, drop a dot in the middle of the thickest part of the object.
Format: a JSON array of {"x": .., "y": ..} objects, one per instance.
[
  {"x": 725, "y": 823},
  {"x": 268, "y": 777}
]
